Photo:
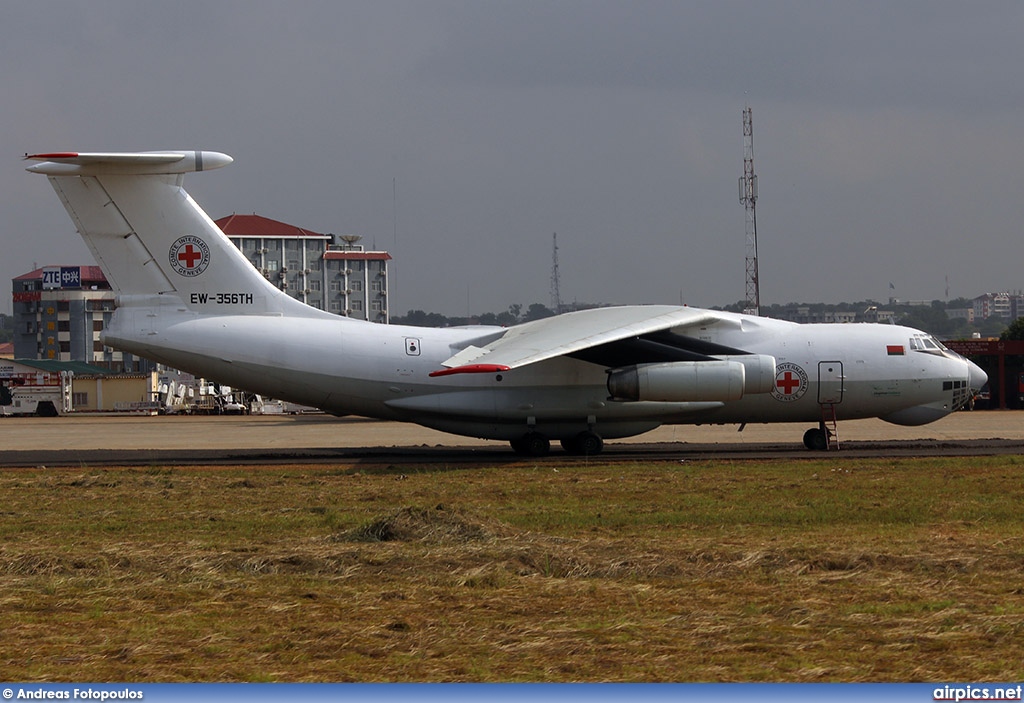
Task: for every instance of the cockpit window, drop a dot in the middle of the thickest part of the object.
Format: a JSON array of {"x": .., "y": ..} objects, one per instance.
[{"x": 927, "y": 343}]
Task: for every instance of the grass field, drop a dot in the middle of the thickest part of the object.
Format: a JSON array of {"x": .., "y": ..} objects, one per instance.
[{"x": 823, "y": 570}]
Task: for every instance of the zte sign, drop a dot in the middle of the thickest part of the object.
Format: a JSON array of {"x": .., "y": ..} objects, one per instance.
[{"x": 62, "y": 277}]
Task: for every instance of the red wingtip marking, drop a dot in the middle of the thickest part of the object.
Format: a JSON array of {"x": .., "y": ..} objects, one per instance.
[
  {"x": 54, "y": 155},
  {"x": 471, "y": 368}
]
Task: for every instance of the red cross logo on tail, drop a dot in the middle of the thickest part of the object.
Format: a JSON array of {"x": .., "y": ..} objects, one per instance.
[{"x": 189, "y": 255}]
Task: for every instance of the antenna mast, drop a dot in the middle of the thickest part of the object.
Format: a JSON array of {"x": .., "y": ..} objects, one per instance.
[
  {"x": 748, "y": 198},
  {"x": 556, "y": 296}
]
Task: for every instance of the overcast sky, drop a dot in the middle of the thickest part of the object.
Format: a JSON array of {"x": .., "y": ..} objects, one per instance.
[{"x": 888, "y": 138}]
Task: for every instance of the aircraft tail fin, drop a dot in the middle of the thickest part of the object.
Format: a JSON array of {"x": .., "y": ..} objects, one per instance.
[{"x": 151, "y": 238}]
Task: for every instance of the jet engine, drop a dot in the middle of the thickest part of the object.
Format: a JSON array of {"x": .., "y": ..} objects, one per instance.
[{"x": 691, "y": 381}]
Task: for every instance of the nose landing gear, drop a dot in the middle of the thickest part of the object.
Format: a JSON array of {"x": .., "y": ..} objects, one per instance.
[
  {"x": 816, "y": 439},
  {"x": 826, "y": 435}
]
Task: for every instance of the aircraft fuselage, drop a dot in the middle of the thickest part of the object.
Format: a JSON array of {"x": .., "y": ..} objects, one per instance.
[{"x": 383, "y": 371}]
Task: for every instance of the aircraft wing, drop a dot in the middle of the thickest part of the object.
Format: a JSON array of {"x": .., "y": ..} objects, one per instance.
[{"x": 589, "y": 334}]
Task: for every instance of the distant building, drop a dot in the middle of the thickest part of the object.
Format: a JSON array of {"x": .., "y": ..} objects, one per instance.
[
  {"x": 329, "y": 272},
  {"x": 71, "y": 386},
  {"x": 1008, "y": 306},
  {"x": 805, "y": 315},
  {"x": 961, "y": 314},
  {"x": 59, "y": 312},
  {"x": 873, "y": 314}
]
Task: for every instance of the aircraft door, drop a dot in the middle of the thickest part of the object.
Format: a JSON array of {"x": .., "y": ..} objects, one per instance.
[{"x": 830, "y": 382}]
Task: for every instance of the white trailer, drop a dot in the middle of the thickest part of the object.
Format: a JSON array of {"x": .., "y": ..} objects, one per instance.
[{"x": 47, "y": 394}]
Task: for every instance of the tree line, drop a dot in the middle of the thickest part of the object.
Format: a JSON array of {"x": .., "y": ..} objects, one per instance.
[{"x": 930, "y": 318}]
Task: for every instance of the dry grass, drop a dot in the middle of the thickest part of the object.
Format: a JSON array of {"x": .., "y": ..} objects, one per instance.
[{"x": 799, "y": 571}]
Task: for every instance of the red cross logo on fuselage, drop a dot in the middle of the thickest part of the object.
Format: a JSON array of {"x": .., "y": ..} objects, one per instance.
[
  {"x": 788, "y": 383},
  {"x": 189, "y": 255}
]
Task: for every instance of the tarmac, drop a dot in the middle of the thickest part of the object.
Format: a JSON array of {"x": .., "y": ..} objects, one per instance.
[{"x": 167, "y": 433}]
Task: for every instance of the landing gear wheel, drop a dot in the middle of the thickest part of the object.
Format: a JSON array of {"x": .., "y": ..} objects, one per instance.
[
  {"x": 584, "y": 444},
  {"x": 532, "y": 444},
  {"x": 816, "y": 439}
]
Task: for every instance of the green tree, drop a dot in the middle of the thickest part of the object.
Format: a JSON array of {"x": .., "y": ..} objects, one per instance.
[
  {"x": 537, "y": 311},
  {"x": 990, "y": 327},
  {"x": 1015, "y": 331},
  {"x": 931, "y": 319},
  {"x": 419, "y": 318}
]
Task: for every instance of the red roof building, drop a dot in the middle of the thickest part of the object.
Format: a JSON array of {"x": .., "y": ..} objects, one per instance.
[
  {"x": 329, "y": 272},
  {"x": 258, "y": 226}
]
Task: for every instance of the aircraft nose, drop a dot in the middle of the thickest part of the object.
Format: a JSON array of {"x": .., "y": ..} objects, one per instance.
[{"x": 975, "y": 376}]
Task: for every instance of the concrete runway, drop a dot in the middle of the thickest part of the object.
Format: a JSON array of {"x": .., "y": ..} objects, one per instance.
[{"x": 111, "y": 439}]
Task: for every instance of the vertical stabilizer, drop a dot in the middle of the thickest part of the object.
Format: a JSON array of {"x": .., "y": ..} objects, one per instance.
[{"x": 151, "y": 238}]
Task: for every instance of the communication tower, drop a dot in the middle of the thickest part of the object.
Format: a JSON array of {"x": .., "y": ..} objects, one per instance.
[
  {"x": 748, "y": 198},
  {"x": 556, "y": 296}
]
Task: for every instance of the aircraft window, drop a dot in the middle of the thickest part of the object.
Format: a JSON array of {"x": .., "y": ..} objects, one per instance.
[{"x": 927, "y": 344}]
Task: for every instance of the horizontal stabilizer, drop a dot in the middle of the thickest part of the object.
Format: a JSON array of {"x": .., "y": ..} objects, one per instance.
[{"x": 73, "y": 163}]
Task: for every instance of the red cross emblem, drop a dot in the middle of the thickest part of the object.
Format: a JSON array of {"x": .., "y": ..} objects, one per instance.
[
  {"x": 788, "y": 383},
  {"x": 189, "y": 255}
]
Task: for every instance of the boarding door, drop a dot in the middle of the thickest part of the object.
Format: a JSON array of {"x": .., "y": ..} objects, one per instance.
[{"x": 830, "y": 382}]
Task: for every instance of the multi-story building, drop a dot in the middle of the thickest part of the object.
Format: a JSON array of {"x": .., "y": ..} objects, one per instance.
[
  {"x": 329, "y": 272},
  {"x": 59, "y": 312},
  {"x": 1008, "y": 306}
]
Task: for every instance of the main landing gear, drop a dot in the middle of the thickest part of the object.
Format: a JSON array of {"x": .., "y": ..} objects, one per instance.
[{"x": 535, "y": 444}]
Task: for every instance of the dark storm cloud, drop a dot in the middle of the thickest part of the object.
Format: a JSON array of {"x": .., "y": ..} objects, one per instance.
[
  {"x": 867, "y": 54},
  {"x": 460, "y": 135}
]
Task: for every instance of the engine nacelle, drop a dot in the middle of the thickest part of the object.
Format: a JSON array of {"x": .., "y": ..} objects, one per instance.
[
  {"x": 759, "y": 370},
  {"x": 678, "y": 381},
  {"x": 693, "y": 381}
]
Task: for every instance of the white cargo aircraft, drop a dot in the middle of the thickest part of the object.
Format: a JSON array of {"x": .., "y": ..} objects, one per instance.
[{"x": 188, "y": 298}]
